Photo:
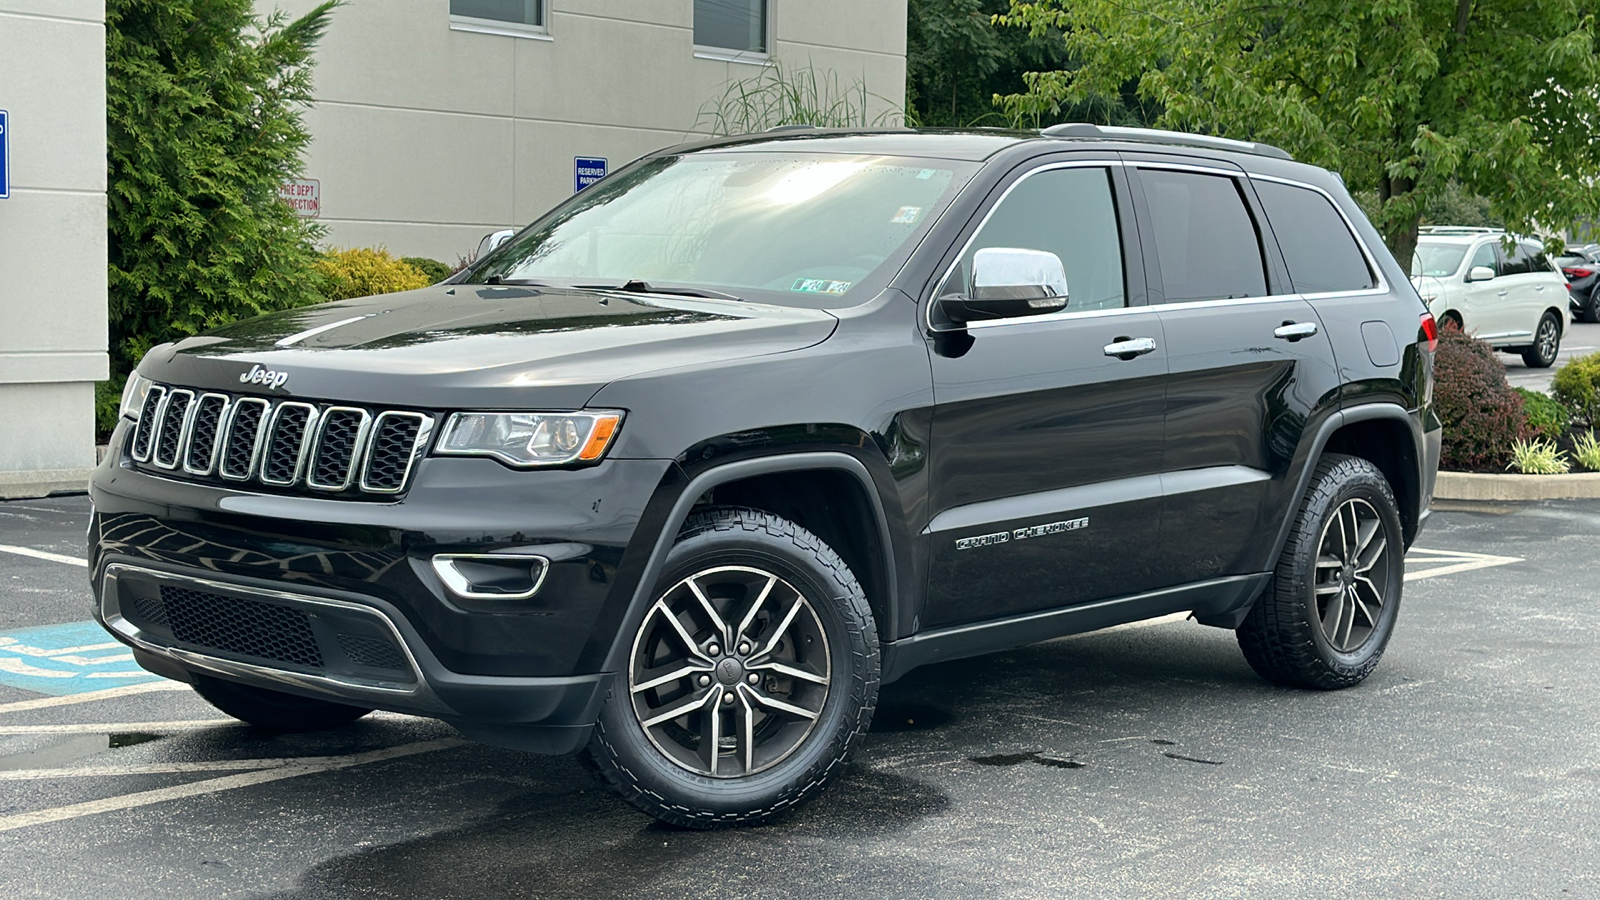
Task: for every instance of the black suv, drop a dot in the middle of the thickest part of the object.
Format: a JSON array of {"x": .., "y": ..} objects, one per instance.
[{"x": 681, "y": 473}]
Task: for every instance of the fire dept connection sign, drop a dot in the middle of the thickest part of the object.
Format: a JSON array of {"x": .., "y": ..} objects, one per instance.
[{"x": 304, "y": 196}]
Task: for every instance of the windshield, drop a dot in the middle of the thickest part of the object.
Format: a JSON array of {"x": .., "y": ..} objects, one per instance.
[
  {"x": 1437, "y": 260},
  {"x": 814, "y": 230}
]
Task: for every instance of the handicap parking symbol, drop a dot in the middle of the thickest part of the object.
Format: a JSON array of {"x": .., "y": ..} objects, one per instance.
[{"x": 66, "y": 659}]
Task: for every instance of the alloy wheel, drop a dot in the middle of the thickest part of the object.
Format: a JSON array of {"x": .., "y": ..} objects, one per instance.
[
  {"x": 730, "y": 671},
  {"x": 1352, "y": 576},
  {"x": 1546, "y": 339}
]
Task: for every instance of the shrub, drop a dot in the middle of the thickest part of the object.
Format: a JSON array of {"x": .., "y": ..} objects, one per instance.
[
  {"x": 1577, "y": 384},
  {"x": 1482, "y": 415},
  {"x": 1587, "y": 449},
  {"x": 365, "y": 271},
  {"x": 203, "y": 106},
  {"x": 1538, "y": 457},
  {"x": 1546, "y": 416},
  {"x": 434, "y": 269}
]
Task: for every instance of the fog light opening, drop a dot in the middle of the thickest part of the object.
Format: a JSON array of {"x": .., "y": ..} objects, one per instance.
[{"x": 492, "y": 576}]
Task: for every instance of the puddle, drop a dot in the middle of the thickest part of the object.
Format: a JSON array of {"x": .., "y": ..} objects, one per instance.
[
  {"x": 70, "y": 747},
  {"x": 1013, "y": 759}
]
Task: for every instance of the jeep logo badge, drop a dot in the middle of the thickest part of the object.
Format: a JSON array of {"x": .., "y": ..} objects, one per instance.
[{"x": 269, "y": 377}]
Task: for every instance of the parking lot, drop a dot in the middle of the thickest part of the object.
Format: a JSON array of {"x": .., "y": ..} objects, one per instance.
[
  {"x": 1143, "y": 761},
  {"x": 1580, "y": 339}
]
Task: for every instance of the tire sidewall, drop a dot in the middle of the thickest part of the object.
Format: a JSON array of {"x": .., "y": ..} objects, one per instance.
[{"x": 854, "y": 677}]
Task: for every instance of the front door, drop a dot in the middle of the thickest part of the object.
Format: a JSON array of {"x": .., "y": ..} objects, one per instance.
[{"x": 1046, "y": 447}]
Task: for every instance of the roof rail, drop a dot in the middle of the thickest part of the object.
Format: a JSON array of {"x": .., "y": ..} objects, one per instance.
[
  {"x": 1157, "y": 136},
  {"x": 1458, "y": 229}
]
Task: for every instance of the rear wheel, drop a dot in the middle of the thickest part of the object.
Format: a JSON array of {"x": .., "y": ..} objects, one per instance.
[
  {"x": 750, "y": 678},
  {"x": 1335, "y": 592},
  {"x": 274, "y": 710},
  {"x": 1541, "y": 354}
]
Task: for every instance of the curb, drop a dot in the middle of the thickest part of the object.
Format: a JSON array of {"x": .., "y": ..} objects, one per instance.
[
  {"x": 1480, "y": 486},
  {"x": 43, "y": 483}
]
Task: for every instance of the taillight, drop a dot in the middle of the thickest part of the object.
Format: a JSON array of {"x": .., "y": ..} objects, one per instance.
[
  {"x": 1577, "y": 273},
  {"x": 1430, "y": 331}
]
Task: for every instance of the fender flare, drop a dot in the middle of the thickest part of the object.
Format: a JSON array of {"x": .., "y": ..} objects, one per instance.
[{"x": 735, "y": 471}]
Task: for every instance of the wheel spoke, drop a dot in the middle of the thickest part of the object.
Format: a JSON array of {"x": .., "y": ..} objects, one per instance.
[
  {"x": 747, "y": 729},
  {"x": 1364, "y": 534},
  {"x": 1372, "y": 558},
  {"x": 774, "y": 703},
  {"x": 711, "y": 611},
  {"x": 711, "y": 732},
  {"x": 1376, "y": 597},
  {"x": 683, "y": 634},
  {"x": 1327, "y": 589},
  {"x": 670, "y": 677},
  {"x": 1329, "y": 562},
  {"x": 682, "y": 707},
  {"x": 791, "y": 671},
  {"x": 1348, "y": 616},
  {"x": 778, "y": 632},
  {"x": 1361, "y": 607},
  {"x": 755, "y": 607},
  {"x": 1335, "y": 610}
]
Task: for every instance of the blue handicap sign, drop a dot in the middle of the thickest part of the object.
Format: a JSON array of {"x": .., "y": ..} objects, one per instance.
[
  {"x": 5, "y": 154},
  {"x": 66, "y": 659},
  {"x": 586, "y": 170}
]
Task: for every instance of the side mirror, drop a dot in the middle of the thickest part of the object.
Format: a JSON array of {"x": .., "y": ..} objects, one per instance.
[
  {"x": 491, "y": 242},
  {"x": 1480, "y": 273},
  {"x": 1008, "y": 282}
]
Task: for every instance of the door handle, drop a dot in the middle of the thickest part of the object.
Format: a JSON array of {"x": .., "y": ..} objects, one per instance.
[
  {"x": 1501, "y": 292},
  {"x": 1128, "y": 348},
  {"x": 1294, "y": 331}
]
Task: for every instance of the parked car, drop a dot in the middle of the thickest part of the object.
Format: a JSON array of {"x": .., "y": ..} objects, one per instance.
[
  {"x": 1582, "y": 273},
  {"x": 1501, "y": 289},
  {"x": 680, "y": 474}
]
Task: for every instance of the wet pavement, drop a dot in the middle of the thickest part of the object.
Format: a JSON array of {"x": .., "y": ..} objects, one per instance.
[{"x": 1141, "y": 761}]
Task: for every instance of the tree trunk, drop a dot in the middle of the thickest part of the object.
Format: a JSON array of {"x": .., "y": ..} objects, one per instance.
[{"x": 1401, "y": 235}]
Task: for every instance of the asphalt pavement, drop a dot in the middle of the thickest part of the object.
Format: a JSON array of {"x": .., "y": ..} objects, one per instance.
[
  {"x": 1145, "y": 761},
  {"x": 1580, "y": 339}
]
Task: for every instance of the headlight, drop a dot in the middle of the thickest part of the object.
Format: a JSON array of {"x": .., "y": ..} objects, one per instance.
[
  {"x": 133, "y": 394},
  {"x": 531, "y": 439}
]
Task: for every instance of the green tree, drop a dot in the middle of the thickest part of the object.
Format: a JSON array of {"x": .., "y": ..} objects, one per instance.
[
  {"x": 203, "y": 104},
  {"x": 1400, "y": 96}
]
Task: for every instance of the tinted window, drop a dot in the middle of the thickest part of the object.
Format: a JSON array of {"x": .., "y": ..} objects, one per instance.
[
  {"x": 1068, "y": 212},
  {"x": 1484, "y": 256},
  {"x": 1317, "y": 244},
  {"x": 1518, "y": 262},
  {"x": 1206, "y": 241},
  {"x": 520, "y": 12},
  {"x": 1539, "y": 262}
]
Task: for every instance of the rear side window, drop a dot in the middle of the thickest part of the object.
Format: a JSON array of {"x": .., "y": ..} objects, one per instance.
[
  {"x": 1206, "y": 240},
  {"x": 1321, "y": 252},
  {"x": 1518, "y": 262}
]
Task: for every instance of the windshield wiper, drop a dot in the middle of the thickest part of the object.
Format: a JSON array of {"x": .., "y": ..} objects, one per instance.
[
  {"x": 522, "y": 282},
  {"x": 639, "y": 286}
]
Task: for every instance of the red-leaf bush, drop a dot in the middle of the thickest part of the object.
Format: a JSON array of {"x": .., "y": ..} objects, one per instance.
[{"x": 1482, "y": 415}]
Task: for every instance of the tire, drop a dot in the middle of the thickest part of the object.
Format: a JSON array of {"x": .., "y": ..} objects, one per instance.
[
  {"x": 1589, "y": 312},
  {"x": 779, "y": 741},
  {"x": 1286, "y": 637},
  {"x": 1541, "y": 354},
  {"x": 1450, "y": 321},
  {"x": 274, "y": 710}
]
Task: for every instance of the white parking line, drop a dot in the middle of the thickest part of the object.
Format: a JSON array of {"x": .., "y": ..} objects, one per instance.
[
  {"x": 112, "y": 693},
  {"x": 44, "y": 554},
  {"x": 294, "y": 769},
  {"x": 1455, "y": 561},
  {"x": 118, "y": 727}
]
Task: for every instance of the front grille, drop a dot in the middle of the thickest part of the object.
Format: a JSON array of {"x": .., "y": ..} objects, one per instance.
[
  {"x": 342, "y": 451},
  {"x": 240, "y": 627},
  {"x": 379, "y": 653}
]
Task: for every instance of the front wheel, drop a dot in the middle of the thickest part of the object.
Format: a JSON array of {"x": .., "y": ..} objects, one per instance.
[
  {"x": 750, "y": 677},
  {"x": 1335, "y": 592},
  {"x": 1541, "y": 354}
]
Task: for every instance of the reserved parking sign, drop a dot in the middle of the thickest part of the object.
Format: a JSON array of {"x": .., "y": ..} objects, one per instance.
[{"x": 586, "y": 170}]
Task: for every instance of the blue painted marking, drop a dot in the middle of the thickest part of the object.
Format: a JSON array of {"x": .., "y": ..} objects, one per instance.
[
  {"x": 5, "y": 154},
  {"x": 586, "y": 170},
  {"x": 67, "y": 659}
]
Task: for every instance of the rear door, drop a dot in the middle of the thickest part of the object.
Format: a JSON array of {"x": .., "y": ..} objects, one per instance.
[
  {"x": 1248, "y": 358},
  {"x": 1046, "y": 451}
]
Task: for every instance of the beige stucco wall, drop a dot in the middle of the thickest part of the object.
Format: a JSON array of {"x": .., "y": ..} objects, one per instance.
[
  {"x": 426, "y": 137},
  {"x": 52, "y": 241}
]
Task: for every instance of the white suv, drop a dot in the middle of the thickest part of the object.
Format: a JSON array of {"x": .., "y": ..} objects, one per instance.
[{"x": 1513, "y": 299}]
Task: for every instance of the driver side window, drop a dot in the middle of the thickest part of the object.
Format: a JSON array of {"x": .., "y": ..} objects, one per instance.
[
  {"x": 1069, "y": 212},
  {"x": 1484, "y": 256}
]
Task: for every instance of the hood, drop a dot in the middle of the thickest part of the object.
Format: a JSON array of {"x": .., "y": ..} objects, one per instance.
[{"x": 484, "y": 346}]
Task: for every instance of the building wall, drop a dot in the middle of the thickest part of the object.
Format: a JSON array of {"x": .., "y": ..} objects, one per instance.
[
  {"x": 426, "y": 138},
  {"x": 52, "y": 241}
]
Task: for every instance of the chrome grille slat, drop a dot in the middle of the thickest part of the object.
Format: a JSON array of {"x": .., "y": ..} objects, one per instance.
[{"x": 327, "y": 448}]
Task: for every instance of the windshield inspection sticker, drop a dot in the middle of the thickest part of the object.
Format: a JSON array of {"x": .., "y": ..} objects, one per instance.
[
  {"x": 820, "y": 286},
  {"x": 907, "y": 215}
]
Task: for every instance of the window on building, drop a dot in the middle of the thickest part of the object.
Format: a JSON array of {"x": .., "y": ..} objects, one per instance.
[
  {"x": 731, "y": 26},
  {"x": 509, "y": 16},
  {"x": 1322, "y": 254},
  {"x": 1206, "y": 240}
]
